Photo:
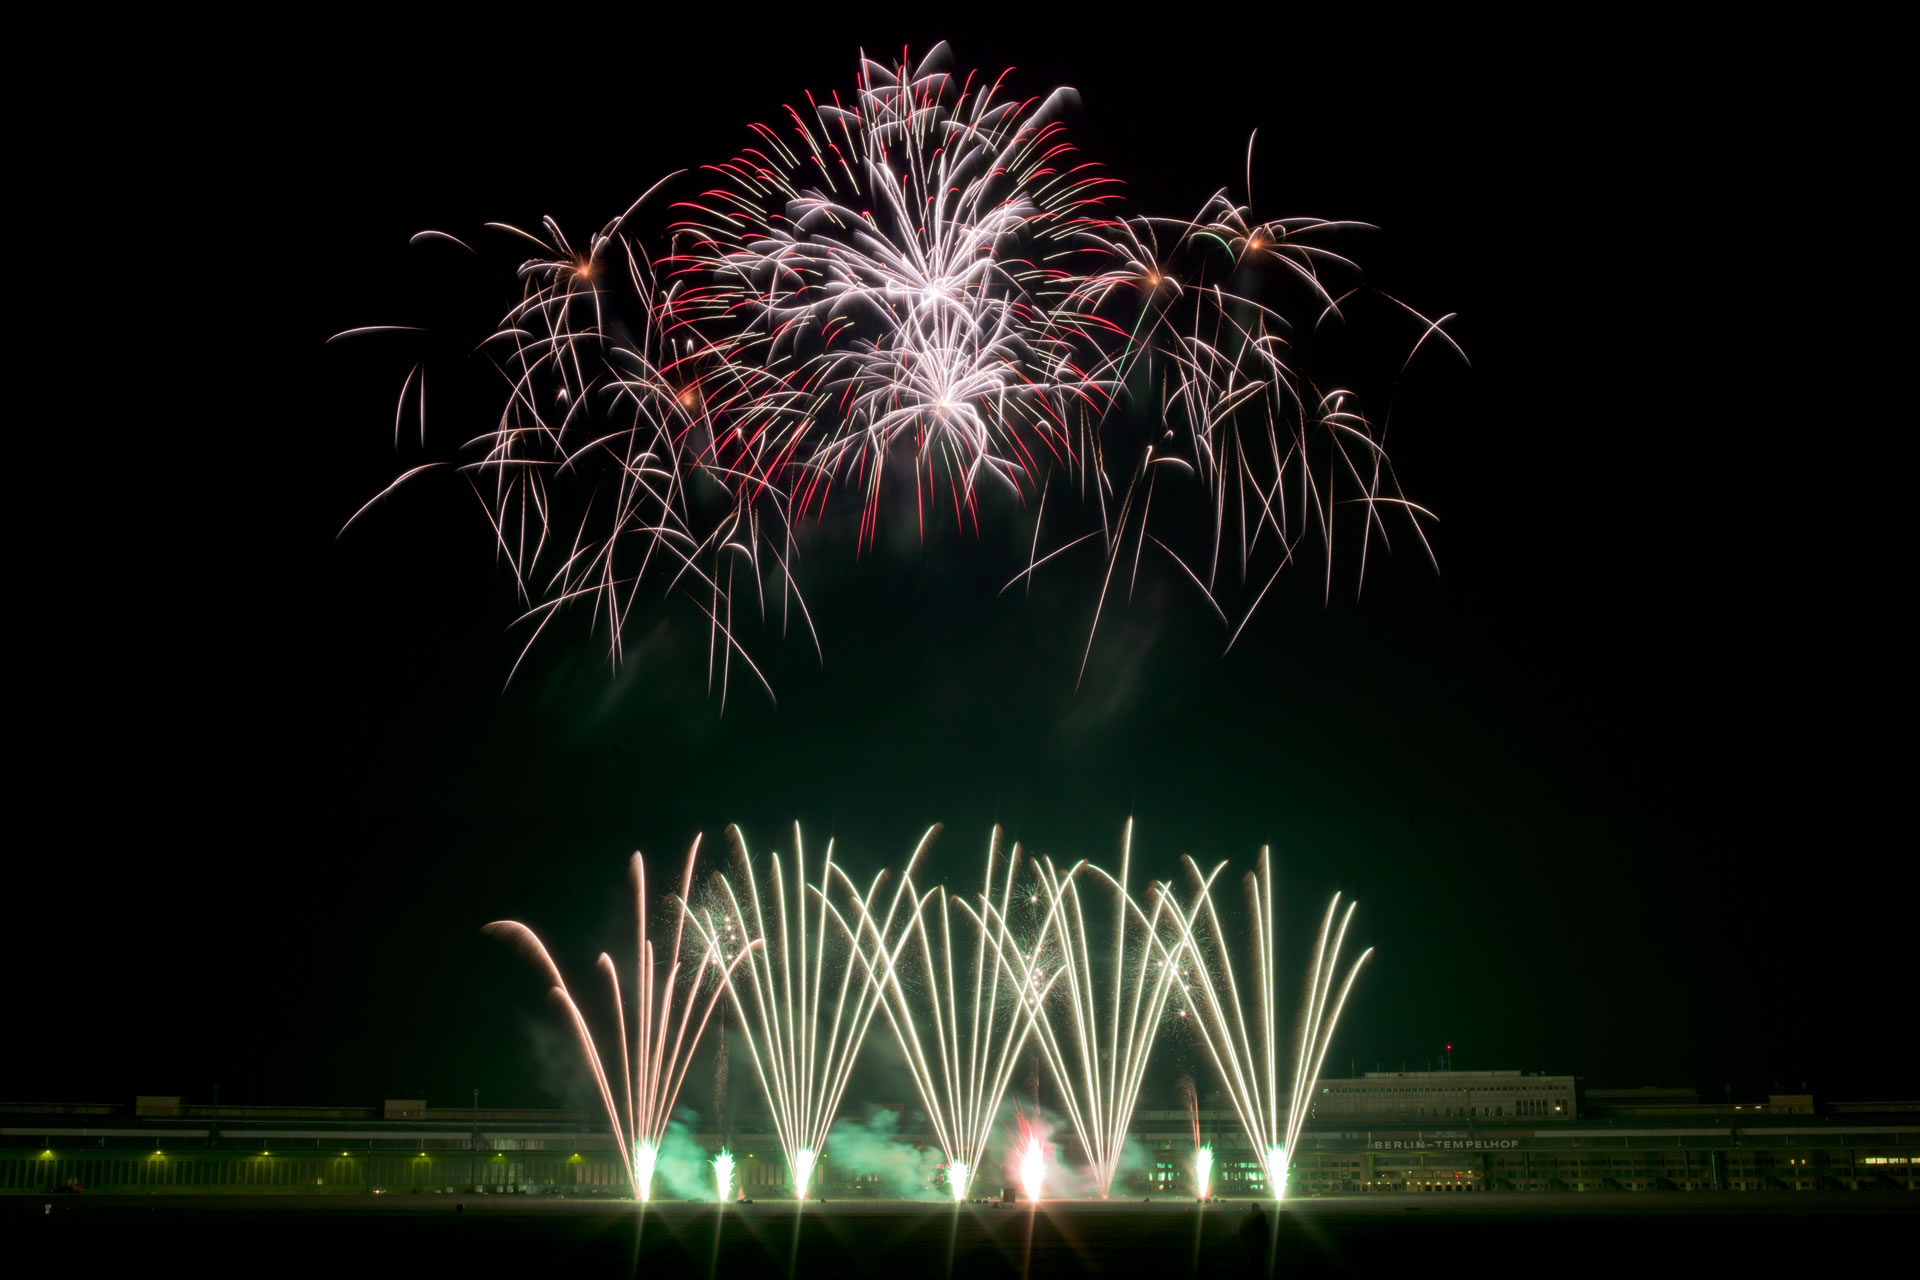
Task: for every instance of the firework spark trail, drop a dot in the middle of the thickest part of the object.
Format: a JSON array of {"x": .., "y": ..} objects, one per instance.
[
  {"x": 801, "y": 1078},
  {"x": 1190, "y": 1099},
  {"x": 1099, "y": 1078},
  {"x": 723, "y": 1176},
  {"x": 1251, "y": 1066},
  {"x": 652, "y": 1073},
  {"x": 962, "y": 1082},
  {"x": 922, "y": 283},
  {"x": 1202, "y": 1151}
]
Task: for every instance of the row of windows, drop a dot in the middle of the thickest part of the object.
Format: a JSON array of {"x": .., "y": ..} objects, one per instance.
[
  {"x": 242, "y": 1144},
  {"x": 1524, "y": 1107},
  {"x": 1446, "y": 1089},
  {"x": 40, "y": 1172}
]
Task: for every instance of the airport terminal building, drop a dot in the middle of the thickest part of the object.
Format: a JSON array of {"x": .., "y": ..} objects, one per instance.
[{"x": 1384, "y": 1132}]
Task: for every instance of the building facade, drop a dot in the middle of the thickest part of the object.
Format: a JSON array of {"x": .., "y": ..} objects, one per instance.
[
  {"x": 1381, "y": 1133},
  {"x": 1452, "y": 1096}
]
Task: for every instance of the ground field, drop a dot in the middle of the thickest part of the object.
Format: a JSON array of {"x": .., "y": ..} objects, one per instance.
[{"x": 1415, "y": 1236}]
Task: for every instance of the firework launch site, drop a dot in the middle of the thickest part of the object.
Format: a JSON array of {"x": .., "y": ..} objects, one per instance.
[
  {"x": 1352, "y": 1234},
  {"x": 1648, "y": 1143}
]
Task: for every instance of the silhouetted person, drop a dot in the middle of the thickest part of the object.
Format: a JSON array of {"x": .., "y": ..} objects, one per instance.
[{"x": 1254, "y": 1235}]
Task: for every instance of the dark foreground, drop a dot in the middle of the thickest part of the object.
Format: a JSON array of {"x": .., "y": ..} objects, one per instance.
[{"x": 1488, "y": 1235}]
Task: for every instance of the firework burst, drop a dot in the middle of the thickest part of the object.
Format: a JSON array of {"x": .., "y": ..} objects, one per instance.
[{"x": 918, "y": 296}]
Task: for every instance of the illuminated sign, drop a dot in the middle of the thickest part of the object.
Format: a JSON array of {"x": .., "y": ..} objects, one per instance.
[{"x": 1447, "y": 1144}]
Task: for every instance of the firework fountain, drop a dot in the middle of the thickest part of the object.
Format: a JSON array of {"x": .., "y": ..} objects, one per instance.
[
  {"x": 1251, "y": 1067},
  {"x": 651, "y": 1074},
  {"x": 1033, "y": 1168},
  {"x": 801, "y": 1076},
  {"x": 808, "y": 977},
  {"x": 923, "y": 289},
  {"x": 1099, "y": 1076},
  {"x": 1030, "y": 1155},
  {"x": 964, "y": 1079}
]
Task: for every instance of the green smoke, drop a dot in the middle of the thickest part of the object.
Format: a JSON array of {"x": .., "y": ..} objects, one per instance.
[
  {"x": 873, "y": 1153},
  {"x": 682, "y": 1167}
]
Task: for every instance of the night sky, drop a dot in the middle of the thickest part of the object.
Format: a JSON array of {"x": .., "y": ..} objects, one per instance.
[{"x": 1600, "y": 783}]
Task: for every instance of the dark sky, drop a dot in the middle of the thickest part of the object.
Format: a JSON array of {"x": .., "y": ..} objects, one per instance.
[{"x": 1601, "y": 784}]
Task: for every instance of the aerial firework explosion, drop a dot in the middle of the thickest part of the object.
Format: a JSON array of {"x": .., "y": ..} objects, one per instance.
[
  {"x": 1251, "y": 1066},
  {"x": 651, "y": 1075},
  {"x": 924, "y": 297}
]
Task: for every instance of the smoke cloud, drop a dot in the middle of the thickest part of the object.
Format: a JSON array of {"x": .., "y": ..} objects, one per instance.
[
  {"x": 872, "y": 1151},
  {"x": 683, "y": 1170},
  {"x": 1064, "y": 1180}
]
